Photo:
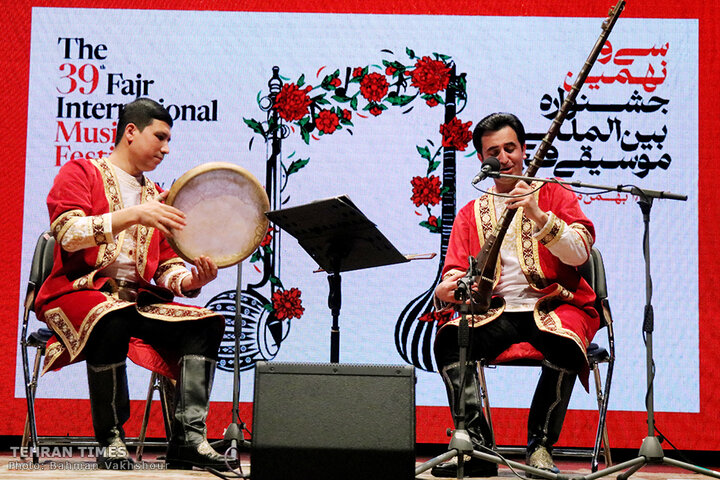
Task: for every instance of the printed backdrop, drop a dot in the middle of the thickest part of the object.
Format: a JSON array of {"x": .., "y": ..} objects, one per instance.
[{"x": 379, "y": 108}]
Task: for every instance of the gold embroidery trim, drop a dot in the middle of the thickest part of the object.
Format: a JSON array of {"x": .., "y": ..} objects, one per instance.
[
  {"x": 112, "y": 190},
  {"x": 554, "y": 232},
  {"x": 61, "y": 224},
  {"x": 109, "y": 252},
  {"x": 168, "y": 272},
  {"x": 88, "y": 323},
  {"x": 170, "y": 312},
  {"x": 548, "y": 321},
  {"x": 98, "y": 228},
  {"x": 62, "y": 327},
  {"x": 485, "y": 221},
  {"x": 52, "y": 353},
  {"x": 144, "y": 234},
  {"x": 74, "y": 340},
  {"x": 84, "y": 282},
  {"x": 529, "y": 254},
  {"x": 484, "y": 218}
]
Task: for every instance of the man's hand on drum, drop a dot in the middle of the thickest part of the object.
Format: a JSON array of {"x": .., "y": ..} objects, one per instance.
[
  {"x": 156, "y": 214},
  {"x": 202, "y": 273}
]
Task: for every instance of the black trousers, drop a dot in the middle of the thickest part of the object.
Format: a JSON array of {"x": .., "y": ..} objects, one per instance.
[
  {"x": 552, "y": 393},
  {"x": 110, "y": 338},
  {"x": 490, "y": 340}
]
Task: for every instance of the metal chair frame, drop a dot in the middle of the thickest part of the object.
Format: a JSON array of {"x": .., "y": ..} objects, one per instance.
[
  {"x": 41, "y": 266},
  {"x": 594, "y": 273}
]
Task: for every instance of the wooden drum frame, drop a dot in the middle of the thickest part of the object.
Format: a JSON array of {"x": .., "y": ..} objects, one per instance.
[{"x": 225, "y": 207}]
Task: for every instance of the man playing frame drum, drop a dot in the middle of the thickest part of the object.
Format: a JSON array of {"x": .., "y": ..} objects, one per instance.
[{"x": 109, "y": 295}]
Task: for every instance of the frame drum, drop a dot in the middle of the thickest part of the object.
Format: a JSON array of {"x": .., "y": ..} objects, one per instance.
[{"x": 225, "y": 207}]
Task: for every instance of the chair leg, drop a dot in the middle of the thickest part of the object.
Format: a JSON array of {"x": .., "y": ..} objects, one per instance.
[
  {"x": 146, "y": 416},
  {"x": 30, "y": 431},
  {"x": 606, "y": 441},
  {"x": 485, "y": 398},
  {"x": 167, "y": 402},
  {"x": 602, "y": 433},
  {"x": 31, "y": 388},
  {"x": 26, "y": 437}
]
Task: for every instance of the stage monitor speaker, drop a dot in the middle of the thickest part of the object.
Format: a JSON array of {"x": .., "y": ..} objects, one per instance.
[{"x": 333, "y": 421}]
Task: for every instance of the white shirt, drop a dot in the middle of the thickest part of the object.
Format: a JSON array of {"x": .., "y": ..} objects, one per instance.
[{"x": 513, "y": 285}]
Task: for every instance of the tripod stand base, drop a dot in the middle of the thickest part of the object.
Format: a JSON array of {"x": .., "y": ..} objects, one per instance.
[
  {"x": 460, "y": 445},
  {"x": 650, "y": 453}
]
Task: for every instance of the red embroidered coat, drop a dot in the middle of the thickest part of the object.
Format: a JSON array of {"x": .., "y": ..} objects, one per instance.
[
  {"x": 71, "y": 300},
  {"x": 566, "y": 307}
]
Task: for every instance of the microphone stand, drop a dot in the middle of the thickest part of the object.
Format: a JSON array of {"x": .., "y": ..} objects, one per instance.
[
  {"x": 460, "y": 443},
  {"x": 234, "y": 431},
  {"x": 651, "y": 451},
  {"x": 633, "y": 190}
]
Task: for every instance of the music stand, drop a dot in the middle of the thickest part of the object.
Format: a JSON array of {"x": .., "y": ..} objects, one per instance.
[{"x": 340, "y": 238}]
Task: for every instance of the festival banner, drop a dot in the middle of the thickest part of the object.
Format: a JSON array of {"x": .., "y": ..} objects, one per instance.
[{"x": 320, "y": 105}]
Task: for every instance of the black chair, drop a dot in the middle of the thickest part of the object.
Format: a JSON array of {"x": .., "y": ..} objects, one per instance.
[
  {"x": 593, "y": 271},
  {"x": 41, "y": 266}
]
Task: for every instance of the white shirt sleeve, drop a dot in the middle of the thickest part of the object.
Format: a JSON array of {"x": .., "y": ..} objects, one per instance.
[
  {"x": 564, "y": 241},
  {"x": 84, "y": 232}
]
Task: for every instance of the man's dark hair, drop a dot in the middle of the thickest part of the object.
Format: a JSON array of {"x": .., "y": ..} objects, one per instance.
[
  {"x": 495, "y": 122},
  {"x": 140, "y": 112}
]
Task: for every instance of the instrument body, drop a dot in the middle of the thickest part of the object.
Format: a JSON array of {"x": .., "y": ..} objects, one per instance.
[{"x": 225, "y": 207}]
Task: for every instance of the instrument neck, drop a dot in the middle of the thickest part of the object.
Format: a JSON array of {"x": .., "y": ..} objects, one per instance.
[{"x": 486, "y": 260}]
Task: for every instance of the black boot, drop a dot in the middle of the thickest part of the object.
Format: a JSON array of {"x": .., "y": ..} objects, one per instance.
[
  {"x": 110, "y": 407},
  {"x": 547, "y": 413},
  {"x": 475, "y": 422},
  {"x": 188, "y": 446}
]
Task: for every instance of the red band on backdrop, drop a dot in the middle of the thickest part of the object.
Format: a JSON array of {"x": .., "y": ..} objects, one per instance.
[{"x": 688, "y": 431}]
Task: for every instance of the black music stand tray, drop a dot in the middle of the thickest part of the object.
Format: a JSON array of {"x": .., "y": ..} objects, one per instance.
[{"x": 340, "y": 238}]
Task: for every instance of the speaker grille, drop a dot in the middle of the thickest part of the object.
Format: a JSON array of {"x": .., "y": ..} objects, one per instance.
[{"x": 333, "y": 421}]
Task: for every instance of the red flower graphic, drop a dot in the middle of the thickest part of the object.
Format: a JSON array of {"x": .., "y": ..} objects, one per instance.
[
  {"x": 426, "y": 190},
  {"x": 435, "y": 316},
  {"x": 357, "y": 71},
  {"x": 292, "y": 103},
  {"x": 456, "y": 134},
  {"x": 347, "y": 114},
  {"x": 336, "y": 82},
  {"x": 327, "y": 121},
  {"x": 432, "y": 101},
  {"x": 432, "y": 220},
  {"x": 430, "y": 76},
  {"x": 376, "y": 111},
  {"x": 268, "y": 237},
  {"x": 390, "y": 70},
  {"x": 287, "y": 304},
  {"x": 374, "y": 87}
]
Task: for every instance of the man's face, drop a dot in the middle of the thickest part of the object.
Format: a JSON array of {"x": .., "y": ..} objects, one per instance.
[
  {"x": 148, "y": 146},
  {"x": 504, "y": 145}
]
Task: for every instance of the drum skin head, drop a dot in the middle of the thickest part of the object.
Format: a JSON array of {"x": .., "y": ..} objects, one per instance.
[{"x": 224, "y": 206}]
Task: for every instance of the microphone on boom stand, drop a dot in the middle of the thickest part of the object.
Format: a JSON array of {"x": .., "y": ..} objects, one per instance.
[{"x": 489, "y": 166}]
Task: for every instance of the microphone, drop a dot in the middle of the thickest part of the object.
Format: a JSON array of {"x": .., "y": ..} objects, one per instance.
[{"x": 489, "y": 166}]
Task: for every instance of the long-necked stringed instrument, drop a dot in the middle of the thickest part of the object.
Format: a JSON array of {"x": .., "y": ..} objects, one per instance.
[{"x": 482, "y": 267}]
